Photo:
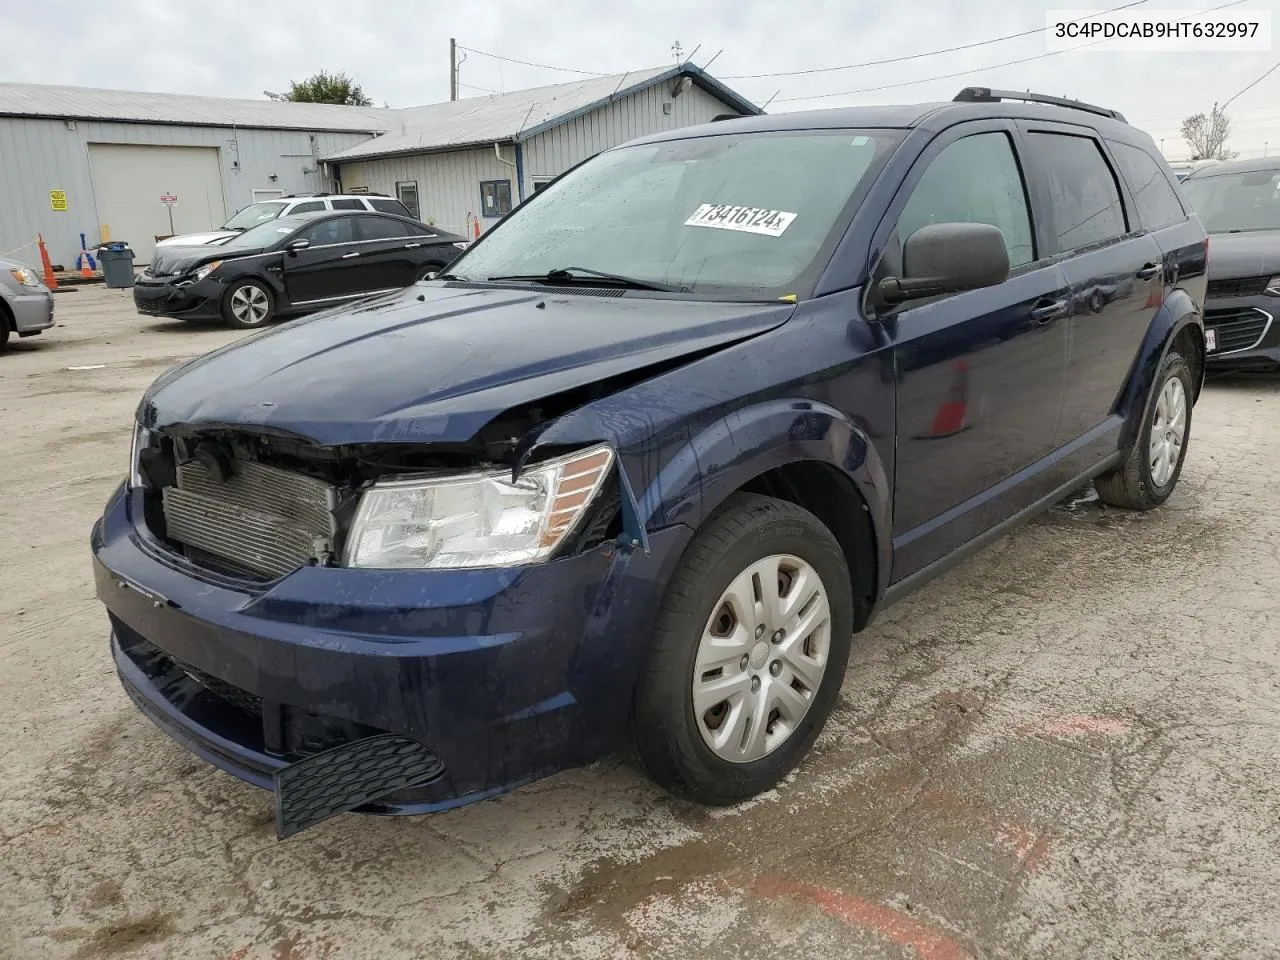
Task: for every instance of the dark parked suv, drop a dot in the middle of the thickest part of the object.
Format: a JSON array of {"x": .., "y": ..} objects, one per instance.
[{"x": 636, "y": 471}]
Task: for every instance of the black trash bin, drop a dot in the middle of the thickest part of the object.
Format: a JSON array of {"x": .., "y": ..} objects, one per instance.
[{"x": 117, "y": 264}]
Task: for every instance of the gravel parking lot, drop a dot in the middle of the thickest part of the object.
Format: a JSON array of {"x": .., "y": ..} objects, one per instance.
[{"x": 1068, "y": 747}]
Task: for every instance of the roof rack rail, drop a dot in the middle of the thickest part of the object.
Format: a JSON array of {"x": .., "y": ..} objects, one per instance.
[{"x": 987, "y": 95}]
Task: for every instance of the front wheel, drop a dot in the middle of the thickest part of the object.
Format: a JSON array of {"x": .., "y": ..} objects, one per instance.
[
  {"x": 749, "y": 653},
  {"x": 1150, "y": 472},
  {"x": 247, "y": 305},
  {"x": 428, "y": 271}
]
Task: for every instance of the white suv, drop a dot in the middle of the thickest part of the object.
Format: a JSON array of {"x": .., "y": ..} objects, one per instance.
[{"x": 265, "y": 210}]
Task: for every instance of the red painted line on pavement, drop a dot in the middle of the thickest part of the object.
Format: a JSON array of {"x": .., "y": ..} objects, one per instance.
[{"x": 928, "y": 942}]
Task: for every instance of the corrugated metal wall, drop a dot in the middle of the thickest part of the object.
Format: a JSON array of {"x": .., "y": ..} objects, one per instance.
[
  {"x": 37, "y": 156},
  {"x": 639, "y": 115},
  {"x": 449, "y": 183}
]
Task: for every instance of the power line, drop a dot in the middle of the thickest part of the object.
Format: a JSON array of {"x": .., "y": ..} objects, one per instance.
[
  {"x": 992, "y": 66},
  {"x": 917, "y": 56},
  {"x": 1268, "y": 73},
  {"x": 472, "y": 86},
  {"x": 528, "y": 63}
]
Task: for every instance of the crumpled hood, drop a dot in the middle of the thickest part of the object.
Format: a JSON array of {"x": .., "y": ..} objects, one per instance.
[
  {"x": 1253, "y": 253},
  {"x": 171, "y": 261},
  {"x": 436, "y": 363},
  {"x": 195, "y": 239}
]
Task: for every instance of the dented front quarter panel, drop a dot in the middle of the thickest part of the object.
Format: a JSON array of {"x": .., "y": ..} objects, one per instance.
[{"x": 819, "y": 387}]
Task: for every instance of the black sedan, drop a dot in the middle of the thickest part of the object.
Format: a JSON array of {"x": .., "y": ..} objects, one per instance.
[{"x": 292, "y": 265}]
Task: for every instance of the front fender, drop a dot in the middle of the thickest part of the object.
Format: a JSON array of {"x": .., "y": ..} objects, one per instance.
[
  {"x": 704, "y": 467},
  {"x": 1178, "y": 312}
]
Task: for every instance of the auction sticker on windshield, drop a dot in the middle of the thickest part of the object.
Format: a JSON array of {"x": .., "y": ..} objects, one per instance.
[{"x": 726, "y": 216}]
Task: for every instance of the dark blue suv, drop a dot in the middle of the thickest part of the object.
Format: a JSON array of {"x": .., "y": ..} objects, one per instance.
[{"x": 639, "y": 468}]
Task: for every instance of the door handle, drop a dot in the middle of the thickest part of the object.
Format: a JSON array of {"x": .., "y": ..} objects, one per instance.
[
  {"x": 348, "y": 256},
  {"x": 412, "y": 246},
  {"x": 1150, "y": 270},
  {"x": 1046, "y": 310}
]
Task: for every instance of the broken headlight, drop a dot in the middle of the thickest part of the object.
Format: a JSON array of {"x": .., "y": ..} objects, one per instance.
[
  {"x": 141, "y": 440},
  {"x": 475, "y": 520}
]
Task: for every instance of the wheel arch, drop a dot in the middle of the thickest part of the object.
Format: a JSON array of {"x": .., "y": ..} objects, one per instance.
[{"x": 1178, "y": 324}]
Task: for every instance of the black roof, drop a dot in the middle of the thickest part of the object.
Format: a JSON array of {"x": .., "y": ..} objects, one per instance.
[{"x": 972, "y": 103}]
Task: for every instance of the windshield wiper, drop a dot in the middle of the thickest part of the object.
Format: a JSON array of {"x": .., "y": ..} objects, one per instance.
[{"x": 586, "y": 274}]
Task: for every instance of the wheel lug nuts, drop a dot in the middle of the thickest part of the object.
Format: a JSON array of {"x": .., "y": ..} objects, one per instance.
[
  {"x": 775, "y": 668},
  {"x": 778, "y": 636},
  {"x": 760, "y": 631},
  {"x": 742, "y": 664},
  {"x": 755, "y": 684}
]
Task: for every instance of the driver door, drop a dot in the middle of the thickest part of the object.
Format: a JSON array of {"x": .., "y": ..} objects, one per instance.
[
  {"x": 980, "y": 373},
  {"x": 330, "y": 269}
]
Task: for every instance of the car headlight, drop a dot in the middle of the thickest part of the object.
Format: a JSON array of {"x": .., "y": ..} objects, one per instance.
[
  {"x": 201, "y": 272},
  {"x": 1273, "y": 286},
  {"x": 476, "y": 520},
  {"x": 141, "y": 440},
  {"x": 25, "y": 277}
]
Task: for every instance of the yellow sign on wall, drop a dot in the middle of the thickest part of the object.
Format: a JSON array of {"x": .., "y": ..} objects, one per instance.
[{"x": 58, "y": 199}]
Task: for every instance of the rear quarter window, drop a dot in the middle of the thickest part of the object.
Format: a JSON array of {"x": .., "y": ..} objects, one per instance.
[
  {"x": 1158, "y": 205},
  {"x": 388, "y": 205}
]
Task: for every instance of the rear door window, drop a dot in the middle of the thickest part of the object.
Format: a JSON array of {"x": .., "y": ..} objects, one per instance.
[
  {"x": 347, "y": 204},
  {"x": 1158, "y": 206},
  {"x": 382, "y": 228},
  {"x": 1083, "y": 195},
  {"x": 974, "y": 180},
  {"x": 310, "y": 206}
]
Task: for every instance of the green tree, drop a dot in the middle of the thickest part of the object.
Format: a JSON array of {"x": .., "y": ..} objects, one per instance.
[{"x": 326, "y": 87}]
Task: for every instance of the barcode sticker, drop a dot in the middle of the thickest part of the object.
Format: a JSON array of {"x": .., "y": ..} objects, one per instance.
[
  {"x": 726, "y": 216},
  {"x": 1210, "y": 341}
]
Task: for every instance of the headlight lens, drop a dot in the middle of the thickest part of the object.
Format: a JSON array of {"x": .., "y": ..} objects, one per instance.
[
  {"x": 141, "y": 440},
  {"x": 203, "y": 271},
  {"x": 25, "y": 277},
  {"x": 1273, "y": 286},
  {"x": 477, "y": 520}
]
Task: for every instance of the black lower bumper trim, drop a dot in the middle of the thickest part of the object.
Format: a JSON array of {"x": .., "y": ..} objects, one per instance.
[{"x": 349, "y": 776}]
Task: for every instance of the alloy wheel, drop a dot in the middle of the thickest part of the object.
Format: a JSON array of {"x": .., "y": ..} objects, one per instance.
[
  {"x": 249, "y": 304},
  {"x": 1168, "y": 431}
]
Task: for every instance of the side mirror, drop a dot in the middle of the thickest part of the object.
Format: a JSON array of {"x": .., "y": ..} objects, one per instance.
[
  {"x": 293, "y": 246},
  {"x": 948, "y": 258}
]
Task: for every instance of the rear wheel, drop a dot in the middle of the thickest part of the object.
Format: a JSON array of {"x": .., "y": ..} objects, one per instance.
[
  {"x": 248, "y": 304},
  {"x": 1148, "y": 476},
  {"x": 749, "y": 653},
  {"x": 426, "y": 272}
]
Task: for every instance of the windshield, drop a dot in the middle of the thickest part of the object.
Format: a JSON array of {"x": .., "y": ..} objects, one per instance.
[
  {"x": 739, "y": 215},
  {"x": 254, "y": 214},
  {"x": 1236, "y": 201},
  {"x": 264, "y": 234}
]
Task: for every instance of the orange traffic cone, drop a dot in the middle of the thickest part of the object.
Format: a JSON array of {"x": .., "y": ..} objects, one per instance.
[
  {"x": 477, "y": 228},
  {"x": 950, "y": 416},
  {"x": 50, "y": 280}
]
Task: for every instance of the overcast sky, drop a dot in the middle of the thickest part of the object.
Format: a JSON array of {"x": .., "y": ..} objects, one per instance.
[{"x": 398, "y": 51}]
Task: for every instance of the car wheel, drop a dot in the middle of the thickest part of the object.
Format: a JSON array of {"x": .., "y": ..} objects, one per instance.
[
  {"x": 248, "y": 304},
  {"x": 1150, "y": 472},
  {"x": 749, "y": 653},
  {"x": 426, "y": 271},
  {"x": 4, "y": 329}
]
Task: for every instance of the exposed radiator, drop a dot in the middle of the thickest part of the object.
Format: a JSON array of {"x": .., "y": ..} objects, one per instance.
[{"x": 261, "y": 519}]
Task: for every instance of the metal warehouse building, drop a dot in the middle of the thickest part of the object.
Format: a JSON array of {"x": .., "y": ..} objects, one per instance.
[
  {"x": 470, "y": 161},
  {"x": 109, "y": 163}
]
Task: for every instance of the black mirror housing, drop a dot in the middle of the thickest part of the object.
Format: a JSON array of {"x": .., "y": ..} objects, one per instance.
[{"x": 949, "y": 258}]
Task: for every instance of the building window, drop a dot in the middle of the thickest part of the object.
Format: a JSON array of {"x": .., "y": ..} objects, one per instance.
[
  {"x": 541, "y": 183},
  {"x": 407, "y": 191},
  {"x": 495, "y": 198}
]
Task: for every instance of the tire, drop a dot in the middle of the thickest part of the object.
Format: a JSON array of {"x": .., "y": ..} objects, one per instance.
[
  {"x": 1146, "y": 479},
  {"x": 428, "y": 268},
  {"x": 667, "y": 732},
  {"x": 242, "y": 303},
  {"x": 5, "y": 326}
]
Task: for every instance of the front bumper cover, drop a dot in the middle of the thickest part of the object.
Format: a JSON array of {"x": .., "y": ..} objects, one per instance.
[{"x": 498, "y": 676}]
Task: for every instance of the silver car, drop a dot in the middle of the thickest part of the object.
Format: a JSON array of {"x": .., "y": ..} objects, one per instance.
[{"x": 26, "y": 304}]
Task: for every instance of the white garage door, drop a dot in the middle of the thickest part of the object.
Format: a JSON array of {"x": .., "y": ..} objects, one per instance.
[{"x": 129, "y": 180}]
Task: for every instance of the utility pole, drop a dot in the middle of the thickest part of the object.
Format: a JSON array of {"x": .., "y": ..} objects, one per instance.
[{"x": 453, "y": 69}]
